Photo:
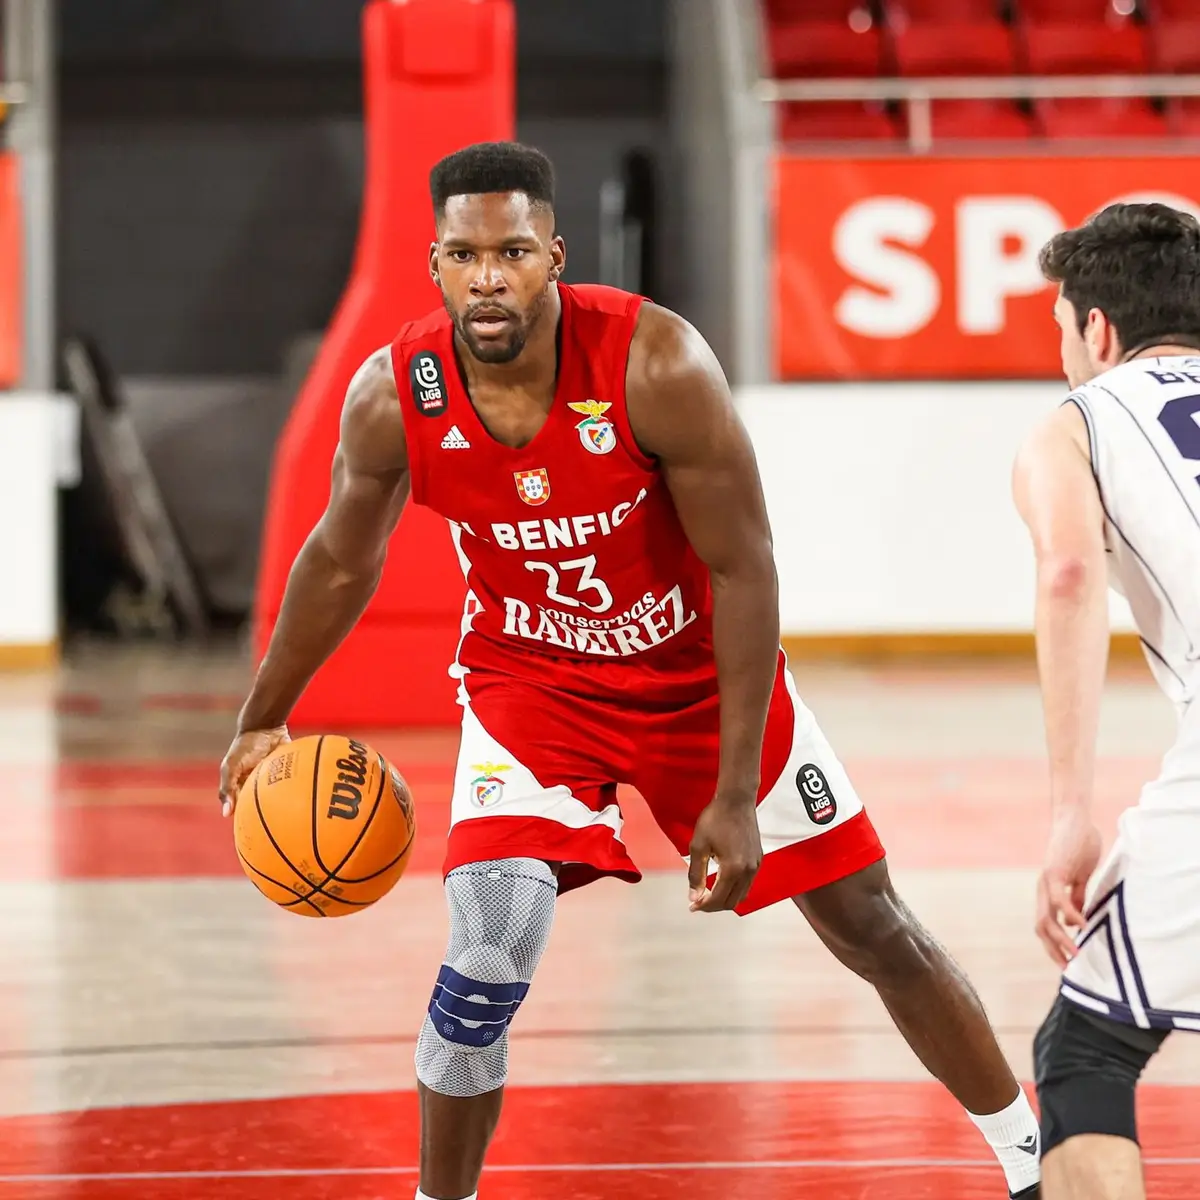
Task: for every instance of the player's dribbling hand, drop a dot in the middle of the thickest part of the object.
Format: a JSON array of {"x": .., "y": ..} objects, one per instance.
[
  {"x": 246, "y": 752},
  {"x": 726, "y": 831},
  {"x": 1071, "y": 857}
]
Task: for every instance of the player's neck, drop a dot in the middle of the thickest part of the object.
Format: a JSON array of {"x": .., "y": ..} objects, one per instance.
[
  {"x": 535, "y": 367},
  {"x": 1163, "y": 350}
]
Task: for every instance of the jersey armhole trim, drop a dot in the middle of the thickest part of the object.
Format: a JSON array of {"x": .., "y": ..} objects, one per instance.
[
  {"x": 1080, "y": 403},
  {"x": 412, "y": 439},
  {"x": 636, "y": 454}
]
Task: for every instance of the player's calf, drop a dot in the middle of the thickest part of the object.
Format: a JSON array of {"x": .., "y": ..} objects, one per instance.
[
  {"x": 501, "y": 913},
  {"x": 1088, "y": 1069},
  {"x": 874, "y": 933}
]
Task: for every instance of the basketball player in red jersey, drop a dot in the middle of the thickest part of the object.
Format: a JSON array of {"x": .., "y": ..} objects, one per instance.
[{"x": 621, "y": 626}]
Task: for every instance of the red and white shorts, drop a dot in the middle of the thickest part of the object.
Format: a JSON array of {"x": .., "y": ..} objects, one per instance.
[{"x": 538, "y": 770}]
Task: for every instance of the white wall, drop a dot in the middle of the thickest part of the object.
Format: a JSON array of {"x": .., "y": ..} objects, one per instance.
[
  {"x": 36, "y": 446},
  {"x": 891, "y": 504}
]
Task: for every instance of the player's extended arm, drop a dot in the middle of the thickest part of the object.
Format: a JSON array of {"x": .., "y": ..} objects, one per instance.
[
  {"x": 340, "y": 564},
  {"x": 682, "y": 413},
  {"x": 1056, "y": 495}
]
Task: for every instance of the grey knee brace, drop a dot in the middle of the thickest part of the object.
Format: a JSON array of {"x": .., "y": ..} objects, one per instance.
[{"x": 500, "y": 918}]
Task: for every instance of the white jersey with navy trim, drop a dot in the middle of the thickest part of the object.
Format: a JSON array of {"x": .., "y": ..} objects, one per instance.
[
  {"x": 1143, "y": 421},
  {"x": 1138, "y": 959}
]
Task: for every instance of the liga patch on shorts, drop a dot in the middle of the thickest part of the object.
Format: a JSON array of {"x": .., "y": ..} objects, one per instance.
[{"x": 814, "y": 789}]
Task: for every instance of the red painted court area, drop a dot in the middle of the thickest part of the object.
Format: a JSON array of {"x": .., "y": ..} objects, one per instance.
[
  {"x": 138, "y": 819},
  {"x": 836, "y": 1141}
]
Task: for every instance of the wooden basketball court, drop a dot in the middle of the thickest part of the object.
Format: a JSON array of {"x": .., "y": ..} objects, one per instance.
[{"x": 166, "y": 1033}]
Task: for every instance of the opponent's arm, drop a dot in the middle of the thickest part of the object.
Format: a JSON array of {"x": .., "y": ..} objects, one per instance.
[
  {"x": 682, "y": 413},
  {"x": 1056, "y": 495},
  {"x": 339, "y": 566}
]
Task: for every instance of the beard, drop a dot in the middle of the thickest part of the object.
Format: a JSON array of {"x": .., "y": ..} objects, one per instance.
[{"x": 497, "y": 351}]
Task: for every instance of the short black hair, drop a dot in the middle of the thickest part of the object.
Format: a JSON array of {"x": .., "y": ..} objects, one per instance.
[
  {"x": 493, "y": 167},
  {"x": 1139, "y": 264}
]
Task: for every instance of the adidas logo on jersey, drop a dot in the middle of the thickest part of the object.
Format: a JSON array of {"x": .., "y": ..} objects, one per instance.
[{"x": 454, "y": 440}]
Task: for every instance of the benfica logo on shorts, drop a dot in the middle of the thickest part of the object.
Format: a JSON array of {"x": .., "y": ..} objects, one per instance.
[
  {"x": 487, "y": 788},
  {"x": 597, "y": 433},
  {"x": 533, "y": 486}
]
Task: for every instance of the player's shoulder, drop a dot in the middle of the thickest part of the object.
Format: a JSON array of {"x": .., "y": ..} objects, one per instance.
[
  {"x": 371, "y": 416},
  {"x": 1060, "y": 435},
  {"x": 667, "y": 349},
  {"x": 600, "y": 299},
  {"x": 433, "y": 324}
]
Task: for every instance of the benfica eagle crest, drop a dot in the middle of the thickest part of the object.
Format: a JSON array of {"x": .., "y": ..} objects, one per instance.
[{"x": 597, "y": 433}]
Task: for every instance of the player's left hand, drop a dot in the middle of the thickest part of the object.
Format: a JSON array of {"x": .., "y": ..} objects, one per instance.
[
  {"x": 727, "y": 832},
  {"x": 1071, "y": 857}
]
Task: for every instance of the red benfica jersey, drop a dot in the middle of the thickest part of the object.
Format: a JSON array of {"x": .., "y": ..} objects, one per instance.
[{"x": 573, "y": 553}]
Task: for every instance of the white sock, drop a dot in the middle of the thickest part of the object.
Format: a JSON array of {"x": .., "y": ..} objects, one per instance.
[
  {"x": 1013, "y": 1136},
  {"x": 421, "y": 1196}
]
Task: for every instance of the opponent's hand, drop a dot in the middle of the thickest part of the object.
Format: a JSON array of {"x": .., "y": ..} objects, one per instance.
[
  {"x": 246, "y": 752},
  {"x": 727, "y": 832},
  {"x": 1071, "y": 858}
]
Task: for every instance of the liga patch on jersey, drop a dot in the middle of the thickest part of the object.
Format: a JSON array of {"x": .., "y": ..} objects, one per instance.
[{"x": 428, "y": 384}]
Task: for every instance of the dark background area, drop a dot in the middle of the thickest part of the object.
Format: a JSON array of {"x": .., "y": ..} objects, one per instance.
[{"x": 211, "y": 161}]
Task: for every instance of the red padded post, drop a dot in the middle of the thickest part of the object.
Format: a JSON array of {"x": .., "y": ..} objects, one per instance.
[{"x": 439, "y": 75}]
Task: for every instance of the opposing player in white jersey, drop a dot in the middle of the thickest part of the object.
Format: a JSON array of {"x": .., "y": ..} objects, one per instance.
[{"x": 1109, "y": 486}]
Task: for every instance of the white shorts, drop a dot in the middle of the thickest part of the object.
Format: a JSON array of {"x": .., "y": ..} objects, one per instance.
[{"x": 1139, "y": 956}]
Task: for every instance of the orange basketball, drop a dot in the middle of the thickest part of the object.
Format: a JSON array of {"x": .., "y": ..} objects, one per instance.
[{"x": 324, "y": 826}]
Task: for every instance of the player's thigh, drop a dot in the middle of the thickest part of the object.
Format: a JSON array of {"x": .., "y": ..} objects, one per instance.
[
  {"x": 535, "y": 778},
  {"x": 813, "y": 826}
]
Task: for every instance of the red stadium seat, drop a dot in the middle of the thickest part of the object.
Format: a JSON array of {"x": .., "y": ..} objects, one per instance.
[
  {"x": 1057, "y": 11},
  {"x": 1183, "y": 116},
  {"x": 855, "y": 13},
  {"x": 976, "y": 120},
  {"x": 1077, "y": 49},
  {"x": 1175, "y": 46},
  {"x": 945, "y": 12},
  {"x": 825, "y": 50},
  {"x": 1100, "y": 119},
  {"x": 954, "y": 48},
  {"x": 836, "y": 121}
]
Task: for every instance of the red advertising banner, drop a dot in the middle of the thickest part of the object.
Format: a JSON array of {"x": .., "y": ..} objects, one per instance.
[{"x": 927, "y": 268}]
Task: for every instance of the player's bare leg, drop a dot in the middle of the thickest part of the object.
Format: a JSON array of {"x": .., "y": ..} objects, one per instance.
[
  {"x": 501, "y": 912},
  {"x": 871, "y": 931},
  {"x": 1093, "y": 1167},
  {"x": 455, "y": 1134}
]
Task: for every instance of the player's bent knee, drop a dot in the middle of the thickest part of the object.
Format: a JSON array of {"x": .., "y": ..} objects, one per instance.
[
  {"x": 871, "y": 931},
  {"x": 501, "y": 913},
  {"x": 1087, "y": 1069}
]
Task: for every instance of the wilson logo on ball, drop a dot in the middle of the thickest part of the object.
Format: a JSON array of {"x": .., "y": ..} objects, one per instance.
[{"x": 352, "y": 777}]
